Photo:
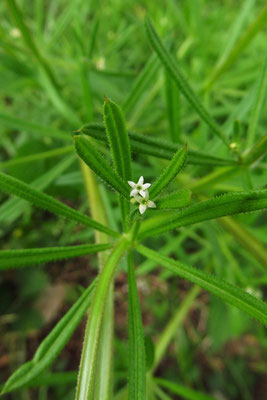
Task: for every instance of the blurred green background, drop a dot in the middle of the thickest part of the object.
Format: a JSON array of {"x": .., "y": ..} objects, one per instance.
[{"x": 103, "y": 46}]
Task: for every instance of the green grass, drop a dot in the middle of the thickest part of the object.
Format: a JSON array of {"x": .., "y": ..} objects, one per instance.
[{"x": 174, "y": 91}]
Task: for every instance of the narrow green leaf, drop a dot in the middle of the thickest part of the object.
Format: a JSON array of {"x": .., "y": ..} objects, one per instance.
[
  {"x": 52, "y": 345},
  {"x": 156, "y": 147},
  {"x": 118, "y": 139},
  {"x": 20, "y": 189},
  {"x": 34, "y": 128},
  {"x": 25, "y": 257},
  {"x": 85, "y": 382},
  {"x": 120, "y": 149},
  {"x": 14, "y": 207},
  {"x": 137, "y": 360},
  {"x": 141, "y": 83},
  {"x": 18, "y": 18},
  {"x": 183, "y": 391},
  {"x": 228, "y": 204},
  {"x": 258, "y": 150},
  {"x": 90, "y": 155},
  {"x": 229, "y": 293},
  {"x": 231, "y": 39},
  {"x": 239, "y": 47},
  {"x": 36, "y": 156},
  {"x": 171, "y": 327},
  {"x": 172, "y": 170},
  {"x": 259, "y": 101},
  {"x": 47, "y": 77},
  {"x": 172, "y": 106},
  {"x": 248, "y": 241},
  {"x": 175, "y": 199},
  {"x": 171, "y": 66}
]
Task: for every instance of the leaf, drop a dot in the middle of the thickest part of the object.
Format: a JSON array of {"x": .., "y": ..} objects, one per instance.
[
  {"x": 118, "y": 139},
  {"x": 171, "y": 328},
  {"x": 228, "y": 204},
  {"x": 85, "y": 382},
  {"x": 177, "y": 199},
  {"x": 172, "y": 170},
  {"x": 183, "y": 391},
  {"x": 120, "y": 149},
  {"x": 34, "y": 128},
  {"x": 171, "y": 66},
  {"x": 36, "y": 156},
  {"x": 259, "y": 101},
  {"x": 239, "y": 47},
  {"x": 156, "y": 147},
  {"x": 26, "y": 35},
  {"x": 172, "y": 107},
  {"x": 20, "y": 189},
  {"x": 52, "y": 345},
  {"x": 25, "y": 257},
  {"x": 229, "y": 293},
  {"x": 90, "y": 155},
  {"x": 14, "y": 207},
  {"x": 141, "y": 83},
  {"x": 258, "y": 150},
  {"x": 137, "y": 359}
]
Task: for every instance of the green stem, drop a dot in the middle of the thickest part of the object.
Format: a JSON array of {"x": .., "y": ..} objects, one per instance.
[{"x": 85, "y": 384}]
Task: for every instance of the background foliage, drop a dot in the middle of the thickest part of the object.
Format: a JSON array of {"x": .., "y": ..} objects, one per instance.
[{"x": 54, "y": 76}]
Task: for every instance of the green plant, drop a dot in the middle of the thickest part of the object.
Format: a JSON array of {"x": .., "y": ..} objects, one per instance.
[{"x": 170, "y": 210}]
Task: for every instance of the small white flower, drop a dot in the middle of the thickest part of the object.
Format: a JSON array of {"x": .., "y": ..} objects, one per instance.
[
  {"x": 139, "y": 187},
  {"x": 144, "y": 203}
]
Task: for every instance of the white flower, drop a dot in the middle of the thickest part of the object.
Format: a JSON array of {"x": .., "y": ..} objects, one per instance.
[
  {"x": 144, "y": 203},
  {"x": 139, "y": 187}
]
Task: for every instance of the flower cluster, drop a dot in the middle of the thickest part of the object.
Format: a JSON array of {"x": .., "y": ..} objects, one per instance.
[{"x": 140, "y": 193}]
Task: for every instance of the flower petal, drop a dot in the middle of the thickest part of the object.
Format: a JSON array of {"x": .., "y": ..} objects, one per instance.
[
  {"x": 134, "y": 192},
  {"x": 138, "y": 198},
  {"x": 146, "y": 186},
  {"x": 143, "y": 193},
  {"x": 141, "y": 180},
  {"x": 151, "y": 204},
  {"x": 142, "y": 208},
  {"x": 132, "y": 184}
]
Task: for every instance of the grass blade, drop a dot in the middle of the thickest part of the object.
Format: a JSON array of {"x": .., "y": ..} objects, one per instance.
[
  {"x": 14, "y": 207},
  {"x": 18, "y": 18},
  {"x": 171, "y": 171},
  {"x": 171, "y": 328},
  {"x": 32, "y": 127},
  {"x": 20, "y": 189},
  {"x": 90, "y": 155},
  {"x": 141, "y": 83},
  {"x": 258, "y": 150},
  {"x": 52, "y": 345},
  {"x": 227, "y": 292},
  {"x": 172, "y": 106},
  {"x": 156, "y": 147},
  {"x": 37, "y": 156},
  {"x": 228, "y": 204},
  {"x": 259, "y": 101},
  {"x": 22, "y": 258},
  {"x": 137, "y": 362},
  {"x": 85, "y": 382},
  {"x": 239, "y": 48},
  {"x": 178, "y": 77},
  {"x": 183, "y": 391}
]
